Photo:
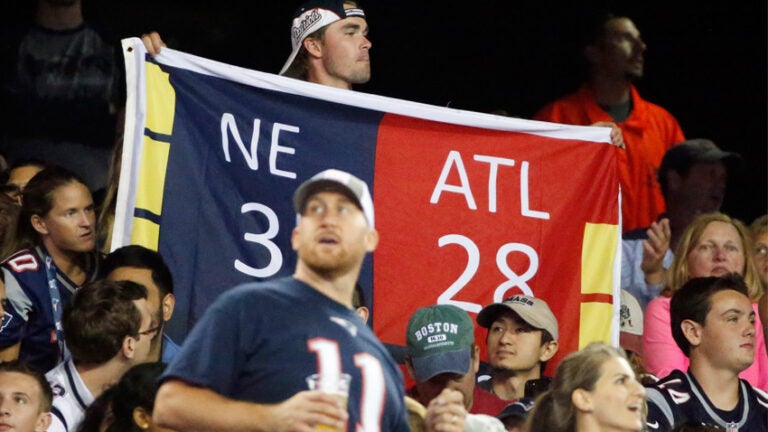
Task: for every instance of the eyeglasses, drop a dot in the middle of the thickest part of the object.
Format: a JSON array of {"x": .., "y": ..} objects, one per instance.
[{"x": 150, "y": 330}]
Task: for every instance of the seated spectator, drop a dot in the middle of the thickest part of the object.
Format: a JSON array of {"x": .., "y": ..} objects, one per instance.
[
  {"x": 713, "y": 323},
  {"x": 442, "y": 354},
  {"x": 759, "y": 229},
  {"x": 712, "y": 245},
  {"x": 134, "y": 399},
  {"x": 693, "y": 176},
  {"x": 9, "y": 219},
  {"x": 631, "y": 334},
  {"x": 522, "y": 337},
  {"x": 146, "y": 267},
  {"x": 55, "y": 239},
  {"x": 515, "y": 414},
  {"x": 108, "y": 327},
  {"x": 594, "y": 389},
  {"x": 25, "y": 399},
  {"x": 19, "y": 174}
]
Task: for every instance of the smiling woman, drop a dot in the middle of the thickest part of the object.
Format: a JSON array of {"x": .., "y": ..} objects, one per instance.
[{"x": 593, "y": 389}]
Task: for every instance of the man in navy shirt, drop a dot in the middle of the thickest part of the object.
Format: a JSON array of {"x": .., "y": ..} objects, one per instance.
[{"x": 244, "y": 365}]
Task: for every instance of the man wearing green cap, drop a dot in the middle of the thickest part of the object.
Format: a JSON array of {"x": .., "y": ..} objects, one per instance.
[{"x": 442, "y": 355}]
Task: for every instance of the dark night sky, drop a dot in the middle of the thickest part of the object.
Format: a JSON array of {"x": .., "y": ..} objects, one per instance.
[{"x": 705, "y": 63}]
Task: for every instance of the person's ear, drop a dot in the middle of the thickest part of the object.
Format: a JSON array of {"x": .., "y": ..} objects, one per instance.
[
  {"x": 371, "y": 240},
  {"x": 476, "y": 358},
  {"x": 692, "y": 332},
  {"x": 129, "y": 347},
  {"x": 313, "y": 47},
  {"x": 591, "y": 53},
  {"x": 363, "y": 313},
  {"x": 674, "y": 180},
  {"x": 43, "y": 422},
  {"x": 38, "y": 224},
  {"x": 294, "y": 237},
  {"x": 582, "y": 400},
  {"x": 142, "y": 418},
  {"x": 548, "y": 350},
  {"x": 169, "y": 303}
]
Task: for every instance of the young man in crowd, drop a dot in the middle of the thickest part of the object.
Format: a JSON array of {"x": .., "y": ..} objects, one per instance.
[
  {"x": 330, "y": 44},
  {"x": 109, "y": 327},
  {"x": 25, "y": 398},
  {"x": 714, "y": 325},
  {"x": 147, "y": 267},
  {"x": 522, "y": 337}
]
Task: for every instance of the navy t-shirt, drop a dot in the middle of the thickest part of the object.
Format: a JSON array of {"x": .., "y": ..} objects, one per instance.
[{"x": 258, "y": 342}]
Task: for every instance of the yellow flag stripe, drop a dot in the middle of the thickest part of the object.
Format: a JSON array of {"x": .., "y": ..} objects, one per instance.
[
  {"x": 597, "y": 268},
  {"x": 150, "y": 184}
]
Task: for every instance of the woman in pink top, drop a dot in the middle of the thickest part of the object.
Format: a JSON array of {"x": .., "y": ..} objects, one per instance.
[{"x": 713, "y": 244}]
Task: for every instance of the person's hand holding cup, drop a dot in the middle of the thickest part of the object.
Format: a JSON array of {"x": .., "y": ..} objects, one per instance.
[{"x": 335, "y": 384}]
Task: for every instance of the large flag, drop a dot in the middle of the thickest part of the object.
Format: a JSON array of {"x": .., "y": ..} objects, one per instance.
[{"x": 471, "y": 208}]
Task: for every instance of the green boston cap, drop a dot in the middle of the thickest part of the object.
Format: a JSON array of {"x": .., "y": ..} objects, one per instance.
[{"x": 440, "y": 340}]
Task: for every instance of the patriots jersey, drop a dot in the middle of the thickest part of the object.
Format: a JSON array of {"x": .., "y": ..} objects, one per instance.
[
  {"x": 29, "y": 316},
  {"x": 678, "y": 399},
  {"x": 70, "y": 397},
  {"x": 258, "y": 342}
]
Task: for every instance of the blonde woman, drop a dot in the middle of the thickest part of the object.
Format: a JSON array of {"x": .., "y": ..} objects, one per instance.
[
  {"x": 759, "y": 229},
  {"x": 714, "y": 244},
  {"x": 594, "y": 389}
]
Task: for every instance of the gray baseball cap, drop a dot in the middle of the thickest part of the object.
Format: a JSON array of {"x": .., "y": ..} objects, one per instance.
[{"x": 336, "y": 181}]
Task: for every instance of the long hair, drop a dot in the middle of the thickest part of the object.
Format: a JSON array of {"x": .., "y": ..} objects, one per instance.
[
  {"x": 106, "y": 218},
  {"x": 679, "y": 272},
  {"x": 554, "y": 411},
  {"x": 37, "y": 199}
]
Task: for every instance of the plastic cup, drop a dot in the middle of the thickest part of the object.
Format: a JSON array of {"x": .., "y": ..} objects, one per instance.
[{"x": 335, "y": 384}]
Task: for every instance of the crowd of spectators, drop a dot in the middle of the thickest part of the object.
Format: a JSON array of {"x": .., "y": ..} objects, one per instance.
[{"x": 82, "y": 339}]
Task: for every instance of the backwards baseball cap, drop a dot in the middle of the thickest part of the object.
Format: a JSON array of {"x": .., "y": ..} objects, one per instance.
[
  {"x": 631, "y": 329},
  {"x": 532, "y": 310},
  {"x": 440, "y": 340},
  {"x": 682, "y": 156},
  {"x": 333, "y": 180},
  {"x": 311, "y": 17}
]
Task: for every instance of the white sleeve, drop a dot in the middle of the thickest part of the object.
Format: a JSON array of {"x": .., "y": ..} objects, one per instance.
[
  {"x": 57, "y": 424},
  {"x": 483, "y": 423}
]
